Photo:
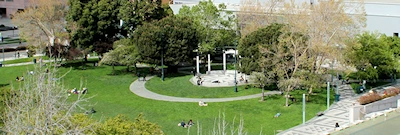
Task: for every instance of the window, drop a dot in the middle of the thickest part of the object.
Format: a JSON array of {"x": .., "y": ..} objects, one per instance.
[
  {"x": 395, "y": 34},
  {"x": 10, "y": 0}
]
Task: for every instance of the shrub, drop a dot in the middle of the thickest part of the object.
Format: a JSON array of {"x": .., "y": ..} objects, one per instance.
[
  {"x": 9, "y": 49},
  {"x": 393, "y": 91},
  {"x": 21, "y": 48},
  {"x": 371, "y": 97}
]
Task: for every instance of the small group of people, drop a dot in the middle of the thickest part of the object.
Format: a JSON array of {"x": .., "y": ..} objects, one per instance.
[
  {"x": 19, "y": 78},
  {"x": 141, "y": 75},
  {"x": 184, "y": 125},
  {"x": 75, "y": 91}
]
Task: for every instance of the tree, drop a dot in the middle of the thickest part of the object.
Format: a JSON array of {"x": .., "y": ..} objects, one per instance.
[
  {"x": 42, "y": 23},
  {"x": 112, "y": 58},
  {"x": 129, "y": 52},
  {"x": 249, "y": 47},
  {"x": 124, "y": 53},
  {"x": 255, "y": 14},
  {"x": 328, "y": 24},
  {"x": 173, "y": 37},
  {"x": 41, "y": 106},
  {"x": 215, "y": 25},
  {"x": 122, "y": 125},
  {"x": 135, "y": 13},
  {"x": 97, "y": 24},
  {"x": 258, "y": 63},
  {"x": 373, "y": 56}
]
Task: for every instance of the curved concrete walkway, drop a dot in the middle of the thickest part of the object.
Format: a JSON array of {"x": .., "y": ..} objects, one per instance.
[{"x": 138, "y": 87}]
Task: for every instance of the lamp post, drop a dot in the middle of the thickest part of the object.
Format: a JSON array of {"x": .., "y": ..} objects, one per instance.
[
  {"x": 3, "y": 53},
  {"x": 236, "y": 90},
  {"x": 236, "y": 44}
]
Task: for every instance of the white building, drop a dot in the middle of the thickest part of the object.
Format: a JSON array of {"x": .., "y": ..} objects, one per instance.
[{"x": 383, "y": 16}]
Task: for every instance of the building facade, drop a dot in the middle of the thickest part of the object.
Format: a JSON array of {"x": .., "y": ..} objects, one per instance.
[
  {"x": 10, "y": 7},
  {"x": 382, "y": 16}
]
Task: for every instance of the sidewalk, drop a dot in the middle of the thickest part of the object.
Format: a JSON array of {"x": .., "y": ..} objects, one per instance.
[
  {"x": 138, "y": 87},
  {"x": 337, "y": 113}
]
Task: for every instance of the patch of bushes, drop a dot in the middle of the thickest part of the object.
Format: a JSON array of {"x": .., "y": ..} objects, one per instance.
[
  {"x": 19, "y": 48},
  {"x": 390, "y": 92},
  {"x": 9, "y": 49},
  {"x": 374, "y": 96},
  {"x": 371, "y": 97}
]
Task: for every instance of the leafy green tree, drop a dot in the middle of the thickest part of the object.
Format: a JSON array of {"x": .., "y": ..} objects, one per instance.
[
  {"x": 173, "y": 37},
  {"x": 137, "y": 12},
  {"x": 96, "y": 23},
  {"x": 215, "y": 25},
  {"x": 249, "y": 47},
  {"x": 124, "y": 53},
  {"x": 122, "y": 125},
  {"x": 373, "y": 56}
]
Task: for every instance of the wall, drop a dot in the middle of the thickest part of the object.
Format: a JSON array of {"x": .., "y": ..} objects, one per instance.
[
  {"x": 381, "y": 105},
  {"x": 13, "y": 6},
  {"x": 357, "y": 112}
]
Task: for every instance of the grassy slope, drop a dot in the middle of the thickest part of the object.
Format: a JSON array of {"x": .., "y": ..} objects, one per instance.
[{"x": 112, "y": 97}]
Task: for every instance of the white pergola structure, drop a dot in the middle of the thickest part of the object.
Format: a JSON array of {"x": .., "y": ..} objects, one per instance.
[{"x": 230, "y": 51}]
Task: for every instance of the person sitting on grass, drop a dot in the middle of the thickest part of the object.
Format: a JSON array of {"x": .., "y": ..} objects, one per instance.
[
  {"x": 74, "y": 91},
  {"x": 17, "y": 79},
  {"x": 84, "y": 91},
  {"x": 190, "y": 123},
  {"x": 22, "y": 78},
  {"x": 183, "y": 124},
  {"x": 277, "y": 115},
  {"x": 201, "y": 103}
]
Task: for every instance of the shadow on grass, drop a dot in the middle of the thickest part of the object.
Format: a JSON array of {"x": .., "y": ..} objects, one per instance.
[
  {"x": 272, "y": 97},
  {"x": 81, "y": 65},
  {"x": 3, "y": 85}
]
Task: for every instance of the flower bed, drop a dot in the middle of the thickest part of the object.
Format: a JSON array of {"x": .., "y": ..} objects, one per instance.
[{"x": 372, "y": 97}]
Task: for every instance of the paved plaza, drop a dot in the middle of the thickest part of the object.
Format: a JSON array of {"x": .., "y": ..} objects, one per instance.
[
  {"x": 220, "y": 78},
  {"x": 138, "y": 87}
]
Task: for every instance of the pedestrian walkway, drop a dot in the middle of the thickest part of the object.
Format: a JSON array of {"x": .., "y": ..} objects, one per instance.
[
  {"x": 337, "y": 113},
  {"x": 138, "y": 87}
]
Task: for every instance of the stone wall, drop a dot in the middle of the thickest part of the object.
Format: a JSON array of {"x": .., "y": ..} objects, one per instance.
[
  {"x": 358, "y": 112},
  {"x": 381, "y": 105}
]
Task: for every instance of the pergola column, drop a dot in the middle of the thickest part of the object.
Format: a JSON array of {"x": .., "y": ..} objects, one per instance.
[
  {"x": 224, "y": 61},
  {"x": 197, "y": 65}
]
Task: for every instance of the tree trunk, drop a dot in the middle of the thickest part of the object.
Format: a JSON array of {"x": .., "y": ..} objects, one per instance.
[
  {"x": 262, "y": 97},
  {"x": 135, "y": 68},
  {"x": 287, "y": 99},
  {"x": 113, "y": 69},
  {"x": 86, "y": 58},
  {"x": 310, "y": 90},
  {"x": 287, "y": 96},
  {"x": 127, "y": 68}
]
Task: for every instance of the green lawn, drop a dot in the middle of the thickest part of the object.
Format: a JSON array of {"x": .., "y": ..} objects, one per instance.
[
  {"x": 181, "y": 87},
  {"x": 112, "y": 97}
]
